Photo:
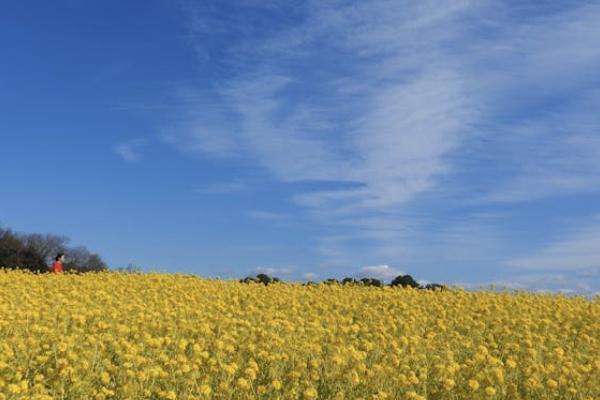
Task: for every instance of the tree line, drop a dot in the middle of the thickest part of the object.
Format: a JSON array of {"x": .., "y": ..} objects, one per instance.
[
  {"x": 36, "y": 252},
  {"x": 400, "y": 281}
]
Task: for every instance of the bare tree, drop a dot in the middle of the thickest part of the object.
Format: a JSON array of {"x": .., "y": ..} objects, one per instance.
[
  {"x": 47, "y": 246},
  {"x": 36, "y": 251},
  {"x": 16, "y": 253},
  {"x": 82, "y": 260}
]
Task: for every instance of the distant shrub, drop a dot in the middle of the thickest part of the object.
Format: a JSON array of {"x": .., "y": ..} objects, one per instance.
[
  {"x": 405, "y": 281},
  {"x": 371, "y": 282},
  {"x": 261, "y": 278},
  {"x": 435, "y": 286}
]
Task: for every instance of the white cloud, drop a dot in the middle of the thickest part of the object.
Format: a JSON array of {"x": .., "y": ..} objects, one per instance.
[
  {"x": 580, "y": 251},
  {"x": 224, "y": 187},
  {"x": 399, "y": 144},
  {"x": 400, "y": 102},
  {"x": 274, "y": 271},
  {"x": 130, "y": 150},
  {"x": 391, "y": 141},
  {"x": 418, "y": 99},
  {"x": 554, "y": 156},
  {"x": 573, "y": 282},
  {"x": 198, "y": 135},
  {"x": 380, "y": 271},
  {"x": 311, "y": 276}
]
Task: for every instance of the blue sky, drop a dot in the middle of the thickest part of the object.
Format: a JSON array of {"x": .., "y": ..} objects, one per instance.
[{"x": 456, "y": 141}]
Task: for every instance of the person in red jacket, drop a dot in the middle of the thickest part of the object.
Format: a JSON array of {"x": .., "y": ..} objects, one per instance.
[{"x": 57, "y": 265}]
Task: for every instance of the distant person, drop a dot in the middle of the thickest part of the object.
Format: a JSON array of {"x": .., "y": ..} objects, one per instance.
[{"x": 57, "y": 265}]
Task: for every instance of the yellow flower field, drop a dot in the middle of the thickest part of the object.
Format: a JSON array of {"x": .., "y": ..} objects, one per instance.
[{"x": 160, "y": 336}]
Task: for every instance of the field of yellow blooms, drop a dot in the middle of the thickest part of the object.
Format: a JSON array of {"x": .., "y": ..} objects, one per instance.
[{"x": 160, "y": 336}]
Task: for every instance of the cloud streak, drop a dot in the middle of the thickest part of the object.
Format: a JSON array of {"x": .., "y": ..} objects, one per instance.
[
  {"x": 274, "y": 271},
  {"x": 130, "y": 150},
  {"x": 380, "y": 271},
  {"x": 224, "y": 187},
  {"x": 578, "y": 251},
  {"x": 407, "y": 112}
]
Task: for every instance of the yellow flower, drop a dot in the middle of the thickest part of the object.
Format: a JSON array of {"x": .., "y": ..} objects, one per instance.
[
  {"x": 105, "y": 378},
  {"x": 170, "y": 395},
  {"x": 449, "y": 384},
  {"x": 275, "y": 384},
  {"x": 230, "y": 369},
  {"x": 412, "y": 395},
  {"x": 205, "y": 389},
  {"x": 262, "y": 389},
  {"x": 243, "y": 384},
  {"x": 185, "y": 368},
  {"x": 13, "y": 389},
  {"x": 213, "y": 338},
  {"x": 310, "y": 393},
  {"x": 473, "y": 384},
  {"x": 498, "y": 374},
  {"x": 250, "y": 373},
  {"x": 412, "y": 379}
]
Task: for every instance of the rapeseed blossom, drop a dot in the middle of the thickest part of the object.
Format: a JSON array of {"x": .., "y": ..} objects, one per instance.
[{"x": 131, "y": 336}]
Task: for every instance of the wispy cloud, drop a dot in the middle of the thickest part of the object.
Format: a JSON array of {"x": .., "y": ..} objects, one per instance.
[
  {"x": 568, "y": 282},
  {"x": 311, "y": 276},
  {"x": 380, "y": 271},
  {"x": 267, "y": 215},
  {"x": 199, "y": 135},
  {"x": 413, "y": 111},
  {"x": 274, "y": 271},
  {"x": 130, "y": 150},
  {"x": 409, "y": 110},
  {"x": 579, "y": 251},
  {"x": 224, "y": 187},
  {"x": 555, "y": 155},
  {"x": 367, "y": 137}
]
